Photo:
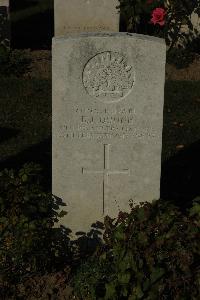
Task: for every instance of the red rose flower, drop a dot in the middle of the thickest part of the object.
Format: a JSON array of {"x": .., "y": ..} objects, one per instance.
[{"x": 158, "y": 16}]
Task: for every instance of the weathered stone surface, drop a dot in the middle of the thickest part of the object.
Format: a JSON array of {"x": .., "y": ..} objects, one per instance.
[
  {"x": 108, "y": 93},
  {"x": 85, "y": 16},
  {"x": 4, "y": 3}
]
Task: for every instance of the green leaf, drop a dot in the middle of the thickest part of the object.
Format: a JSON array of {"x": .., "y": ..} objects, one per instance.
[
  {"x": 124, "y": 264},
  {"x": 146, "y": 285},
  {"x": 141, "y": 214},
  {"x": 143, "y": 239},
  {"x": 157, "y": 274},
  {"x": 110, "y": 291},
  {"x": 119, "y": 233},
  {"x": 137, "y": 292},
  {"x": 62, "y": 214},
  {"x": 195, "y": 210},
  {"x": 24, "y": 177},
  {"x": 32, "y": 226},
  {"x": 124, "y": 278},
  {"x": 124, "y": 291}
]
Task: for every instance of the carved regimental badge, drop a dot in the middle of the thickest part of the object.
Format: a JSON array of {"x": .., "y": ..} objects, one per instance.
[{"x": 108, "y": 77}]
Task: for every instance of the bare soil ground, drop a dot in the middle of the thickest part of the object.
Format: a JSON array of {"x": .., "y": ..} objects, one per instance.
[
  {"x": 41, "y": 67},
  {"x": 192, "y": 72},
  {"x": 41, "y": 64}
]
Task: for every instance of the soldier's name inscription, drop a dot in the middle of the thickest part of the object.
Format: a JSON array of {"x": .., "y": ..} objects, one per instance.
[{"x": 91, "y": 123}]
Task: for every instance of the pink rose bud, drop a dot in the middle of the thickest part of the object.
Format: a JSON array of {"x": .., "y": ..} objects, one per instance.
[{"x": 158, "y": 16}]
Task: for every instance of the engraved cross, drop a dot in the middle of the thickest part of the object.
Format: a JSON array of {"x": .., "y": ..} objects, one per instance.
[{"x": 106, "y": 172}]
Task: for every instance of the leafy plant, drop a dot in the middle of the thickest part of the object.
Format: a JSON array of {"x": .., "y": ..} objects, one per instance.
[
  {"x": 89, "y": 279},
  {"x": 180, "y": 57},
  {"x": 162, "y": 18},
  {"x": 29, "y": 243},
  {"x": 4, "y": 27},
  {"x": 48, "y": 286},
  {"x": 194, "y": 44},
  {"x": 153, "y": 253},
  {"x": 13, "y": 62}
]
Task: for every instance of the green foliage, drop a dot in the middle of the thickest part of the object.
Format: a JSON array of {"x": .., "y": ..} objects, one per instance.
[
  {"x": 180, "y": 57},
  {"x": 152, "y": 253},
  {"x": 41, "y": 287},
  {"x": 4, "y": 28},
  {"x": 89, "y": 278},
  {"x": 13, "y": 62},
  {"x": 29, "y": 243},
  {"x": 193, "y": 45},
  {"x": 137, "y": 15}
]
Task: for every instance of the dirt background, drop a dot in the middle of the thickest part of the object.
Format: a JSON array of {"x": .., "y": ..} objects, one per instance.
[{"x": 41, "y": 67}]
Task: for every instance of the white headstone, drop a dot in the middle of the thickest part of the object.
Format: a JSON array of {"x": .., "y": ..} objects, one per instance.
[
  {"x": 4, "y": 3},
  {"x": 85, "y": 16},
  {"x": 108, "y": 94}
]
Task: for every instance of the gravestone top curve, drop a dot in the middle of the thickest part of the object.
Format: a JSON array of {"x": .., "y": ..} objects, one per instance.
[{"x": 108, "y": 34}]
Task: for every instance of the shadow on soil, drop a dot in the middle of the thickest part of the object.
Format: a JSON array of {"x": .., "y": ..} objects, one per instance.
[
  {"x": 32, "y": 24},
  {"x": 180, "y": 179},
  {"x": 39, "y": 153},
  {"x": 7, "y": 133}
]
